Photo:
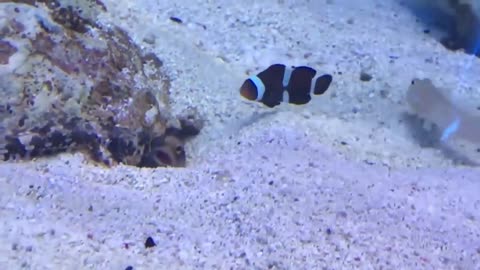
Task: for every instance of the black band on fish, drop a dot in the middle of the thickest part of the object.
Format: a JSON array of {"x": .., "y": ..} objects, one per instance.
[{"x": 300, "y": 84}]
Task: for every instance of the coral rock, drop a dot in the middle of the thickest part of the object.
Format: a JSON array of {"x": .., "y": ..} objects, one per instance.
[{"x": 71, "y": 85}]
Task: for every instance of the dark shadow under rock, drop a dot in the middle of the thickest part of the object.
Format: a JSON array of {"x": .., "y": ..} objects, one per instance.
[
  {"x": 68, "y": 87},
  {"x": 458, "y": 22}
]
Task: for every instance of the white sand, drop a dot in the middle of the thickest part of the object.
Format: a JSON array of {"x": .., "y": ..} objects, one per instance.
[{"x": 265, "y": 189}]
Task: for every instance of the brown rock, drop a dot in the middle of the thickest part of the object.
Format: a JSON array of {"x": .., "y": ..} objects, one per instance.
[{"x": 76, "y": 89}]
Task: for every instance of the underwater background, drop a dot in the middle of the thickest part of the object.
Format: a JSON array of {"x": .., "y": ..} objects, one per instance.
[{"x": 127, "y": 145}]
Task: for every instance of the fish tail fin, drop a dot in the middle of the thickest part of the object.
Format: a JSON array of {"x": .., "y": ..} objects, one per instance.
[{"x": 321, "y": 84}]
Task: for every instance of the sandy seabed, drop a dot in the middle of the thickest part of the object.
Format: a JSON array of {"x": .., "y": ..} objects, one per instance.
[{"x": 336, "y": 184}]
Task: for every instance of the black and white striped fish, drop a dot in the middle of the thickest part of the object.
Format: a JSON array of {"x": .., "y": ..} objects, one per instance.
[{"x": 279, "y": 83}]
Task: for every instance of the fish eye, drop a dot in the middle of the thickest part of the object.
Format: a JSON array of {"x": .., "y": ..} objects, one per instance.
[{"x": 179, "y": 150}]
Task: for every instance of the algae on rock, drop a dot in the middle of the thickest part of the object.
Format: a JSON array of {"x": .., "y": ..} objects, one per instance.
[{"x": 68, "y": 84}]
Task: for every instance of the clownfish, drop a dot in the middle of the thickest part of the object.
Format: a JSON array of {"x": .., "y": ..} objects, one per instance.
[{"x": 280, "y": 83}]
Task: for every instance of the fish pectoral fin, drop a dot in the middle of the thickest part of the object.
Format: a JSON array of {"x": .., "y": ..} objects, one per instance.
[{"x": 450, "y": 129}]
